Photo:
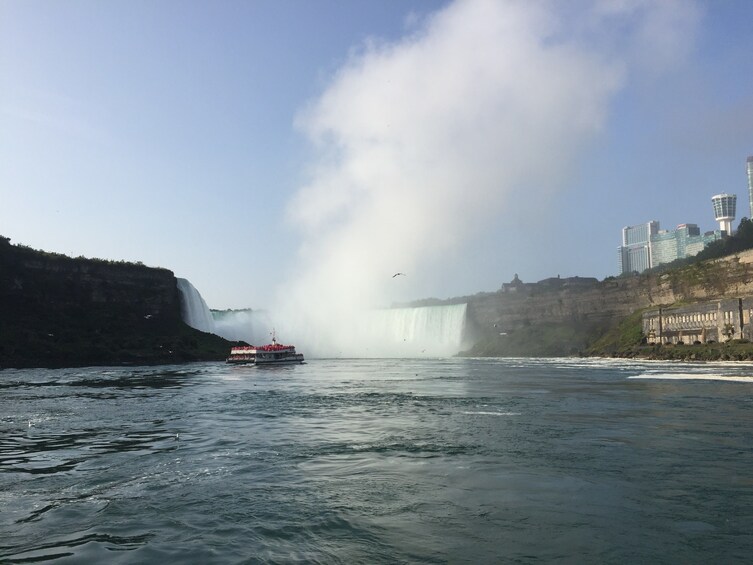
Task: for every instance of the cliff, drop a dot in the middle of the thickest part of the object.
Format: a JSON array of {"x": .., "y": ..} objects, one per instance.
[
  {"x": 58, "y": 311},
  {"x": 568, "y": 316}
]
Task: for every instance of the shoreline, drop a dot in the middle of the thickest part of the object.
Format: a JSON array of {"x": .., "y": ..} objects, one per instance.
[{"x": 737, "y": 350}]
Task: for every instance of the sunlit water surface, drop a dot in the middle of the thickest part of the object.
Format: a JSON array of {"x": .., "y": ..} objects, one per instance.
[{"x": 379, "y": 461}]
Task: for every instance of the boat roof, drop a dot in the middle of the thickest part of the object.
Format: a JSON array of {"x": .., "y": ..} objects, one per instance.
[{"x": 268, "y": 347}]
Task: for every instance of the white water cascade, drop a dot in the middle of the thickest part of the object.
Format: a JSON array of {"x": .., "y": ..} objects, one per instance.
[
  {"x": 415, "y": 332},
  {"x": 193, "y": 309},
  {"x": 431, "y": 331}
]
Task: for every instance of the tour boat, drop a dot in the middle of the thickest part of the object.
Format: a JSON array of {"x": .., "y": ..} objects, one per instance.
[{"x": 271, "y": 354}]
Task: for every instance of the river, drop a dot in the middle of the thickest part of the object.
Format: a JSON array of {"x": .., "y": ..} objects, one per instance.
[{"x": 379, "y": 461}]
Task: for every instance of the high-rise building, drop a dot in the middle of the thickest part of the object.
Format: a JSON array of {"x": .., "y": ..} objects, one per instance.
[
  {"x": 685, "y": 241},
  {"x": 645, "y": 245},
  {"x": 724, "y": 210},
  {"x": 750, "y": 186},
  {"x": 634, "y": 254},
  {"x": 635, "y": 235}
]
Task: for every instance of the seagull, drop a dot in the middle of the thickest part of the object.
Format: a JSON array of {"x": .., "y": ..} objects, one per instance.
[{"x": 399, "y": 274}]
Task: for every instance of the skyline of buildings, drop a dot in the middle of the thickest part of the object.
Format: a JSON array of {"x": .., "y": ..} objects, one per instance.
[{"x": 646, "y": 245}]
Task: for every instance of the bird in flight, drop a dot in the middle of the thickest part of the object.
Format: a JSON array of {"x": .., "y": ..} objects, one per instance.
[{"x": 399, "y": 274}]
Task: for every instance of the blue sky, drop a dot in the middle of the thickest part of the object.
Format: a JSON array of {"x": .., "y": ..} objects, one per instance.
[{"x": 307, "y": 148}]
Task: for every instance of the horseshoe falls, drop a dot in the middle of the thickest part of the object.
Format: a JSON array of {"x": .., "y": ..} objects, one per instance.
[
  {"x": 430, "y": 331},
  {"x": 416, "y": 332},
  {"x": 427, "y": 331}
]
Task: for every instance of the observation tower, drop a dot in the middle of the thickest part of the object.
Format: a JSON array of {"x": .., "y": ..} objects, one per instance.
[{"x": 724, "y": 210}]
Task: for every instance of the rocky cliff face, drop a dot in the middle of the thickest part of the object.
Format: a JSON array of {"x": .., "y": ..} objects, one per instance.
[
  {"x": 43, "y": 283},
  {"x": 590, "y": 306},
  {"x": 58, "y": 311}
]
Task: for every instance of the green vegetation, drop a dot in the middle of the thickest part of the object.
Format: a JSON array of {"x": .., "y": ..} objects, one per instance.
[
  {"x": 742, "y": 240},
  {"x": 24, "y": 251},
  {"x": 626, "y": 339},
  {"x": 619, "y": 340},
  {"x": 561, "y": 339},
  {"x": 623, "y": 337},
  {"x": 734, "y": 350}
]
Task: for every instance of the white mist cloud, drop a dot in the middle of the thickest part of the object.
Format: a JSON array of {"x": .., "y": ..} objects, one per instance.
[
  {"x": 660, "y": 33},
  {"x": 422, "y": 141}
]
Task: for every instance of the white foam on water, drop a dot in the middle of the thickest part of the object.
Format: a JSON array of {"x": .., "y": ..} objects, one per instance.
[
  {"x": 693, "y": 377},
  {"x": 481, "y": 413}
]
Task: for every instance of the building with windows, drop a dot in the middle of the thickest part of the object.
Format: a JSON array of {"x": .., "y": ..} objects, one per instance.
[
  {"x": 661, "y": 246},
  {"x": 634, "y": 255},
  {"x": 685, "y": 241},
  {"x": 701, "y": 322},
  {"x": 640, "y": 234}
]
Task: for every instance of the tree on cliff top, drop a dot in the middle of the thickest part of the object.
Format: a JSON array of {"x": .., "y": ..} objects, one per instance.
[{"x": 741, "y": 240}]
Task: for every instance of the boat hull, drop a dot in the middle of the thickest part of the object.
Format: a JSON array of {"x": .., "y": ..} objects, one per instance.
[
  {"x": 262, "y": 362},
  {"x": 271, "y": 354}
]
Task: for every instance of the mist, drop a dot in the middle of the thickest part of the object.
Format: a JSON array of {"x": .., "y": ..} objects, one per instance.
[{"x": 419, "y": 143}]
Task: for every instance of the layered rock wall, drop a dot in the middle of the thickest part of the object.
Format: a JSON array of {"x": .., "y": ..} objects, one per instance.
[
  {"x": 36, "y": 281},
  {"x": 605, "y": 302},
  {"x": 60, "y": 311}
]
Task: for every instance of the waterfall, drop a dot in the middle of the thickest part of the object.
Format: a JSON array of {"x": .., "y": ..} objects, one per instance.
[
  {"x": 436, "y": 331},
  {"x": 411, "y": 332},
  {"x": 193, "y": 309},
  {"x": 431, "y": 331}
]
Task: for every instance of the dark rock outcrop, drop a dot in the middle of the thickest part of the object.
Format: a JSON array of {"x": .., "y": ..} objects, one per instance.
[{"x": 58, "y": 311}]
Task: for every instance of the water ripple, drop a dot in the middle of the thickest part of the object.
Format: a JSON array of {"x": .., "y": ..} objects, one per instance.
[{"x": 370, "y": 461}]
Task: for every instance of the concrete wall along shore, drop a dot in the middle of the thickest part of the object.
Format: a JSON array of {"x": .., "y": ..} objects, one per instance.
[
  {"x": 703, "y": 322},
  {"x": 716, "y": 304}
]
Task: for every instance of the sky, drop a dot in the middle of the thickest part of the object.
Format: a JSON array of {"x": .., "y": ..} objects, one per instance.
[{"x": 299, "y": 153}]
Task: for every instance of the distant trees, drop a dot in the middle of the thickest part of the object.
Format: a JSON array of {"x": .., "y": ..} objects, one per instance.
[
  {"x": 741, "y": 240},
  {"x": 24, "y": 250}
]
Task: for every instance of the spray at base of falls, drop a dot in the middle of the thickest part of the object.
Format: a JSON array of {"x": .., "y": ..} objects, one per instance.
[
  {"x": 415, "y": 332},
  {"x": 251, "y": 326},
  {"x": 193, "y": 309},
  {"x": 430, "y": 331}
]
